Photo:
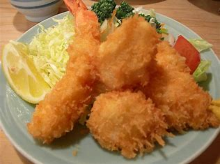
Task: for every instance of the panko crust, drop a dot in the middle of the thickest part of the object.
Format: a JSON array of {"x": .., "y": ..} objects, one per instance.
[
  {"x": 125, "y": 57},
  {"x": 61, "y": 108},
  {"x": 174, "y": 91},
  {"x": 126, "y": 122}
]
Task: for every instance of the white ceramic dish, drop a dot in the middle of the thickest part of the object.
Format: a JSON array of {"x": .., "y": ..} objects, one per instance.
[{"x": 37, "y": 10}]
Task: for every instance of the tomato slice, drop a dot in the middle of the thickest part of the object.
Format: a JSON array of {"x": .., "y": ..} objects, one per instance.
[{"x": 187, "y": 50}]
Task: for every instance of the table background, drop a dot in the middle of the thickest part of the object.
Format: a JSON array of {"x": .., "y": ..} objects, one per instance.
[{"x": 202, "y": 16}]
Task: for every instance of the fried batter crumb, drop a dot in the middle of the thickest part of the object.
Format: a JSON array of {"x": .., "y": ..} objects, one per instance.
[
  {"x": 119, "y": 123},
  {"x": 75, "y": 152}
]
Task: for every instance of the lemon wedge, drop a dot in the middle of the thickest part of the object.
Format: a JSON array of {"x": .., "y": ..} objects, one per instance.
[{"x": 22, "y": 74}]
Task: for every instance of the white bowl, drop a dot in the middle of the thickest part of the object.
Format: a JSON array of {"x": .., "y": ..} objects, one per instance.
[{"x": 37, "y": 10}]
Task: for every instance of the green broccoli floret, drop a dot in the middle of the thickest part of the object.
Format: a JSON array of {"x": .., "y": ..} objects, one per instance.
[
  {"x": 103, "y": 9},
  {"x": 124, "y": 11},
  {"x": 148, "y": 18}
]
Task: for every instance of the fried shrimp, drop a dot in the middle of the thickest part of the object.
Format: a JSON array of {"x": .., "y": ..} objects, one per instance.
[
  {"x": 125, "y": 57},
  {"x": 61, "y": 108},
  {"x": 174, "y": 91},
  {"x": 128, "y": 122}
]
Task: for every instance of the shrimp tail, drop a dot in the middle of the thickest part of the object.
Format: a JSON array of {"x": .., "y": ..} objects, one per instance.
[
  {"x": 75, "y": 5},
  {"x": 86, "y": 21}
]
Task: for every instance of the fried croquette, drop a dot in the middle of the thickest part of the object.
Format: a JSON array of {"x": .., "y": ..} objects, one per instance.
[
  {"x": 125, "y": 57},
  {"x": 126, "y": 122},
  {"x": 175, "y": 92}
]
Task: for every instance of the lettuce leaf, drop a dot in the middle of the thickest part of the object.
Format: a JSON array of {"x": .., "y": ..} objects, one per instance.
[
  {"x": 200, "y": 73},
  {"x": 200, "y": 44}
]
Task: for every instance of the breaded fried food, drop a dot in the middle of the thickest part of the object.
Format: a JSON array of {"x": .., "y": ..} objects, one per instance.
[
  {"x": 62, "y": 107},
  {"x": 125, "y": 57},
  {"x": 168, "y": 58},
  {"x": 126, "y": 122},
  {"x": 175, "y": 92}
]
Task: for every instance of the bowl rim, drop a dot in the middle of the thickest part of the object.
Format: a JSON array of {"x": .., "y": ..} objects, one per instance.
[{"x": 30, "y": 6}]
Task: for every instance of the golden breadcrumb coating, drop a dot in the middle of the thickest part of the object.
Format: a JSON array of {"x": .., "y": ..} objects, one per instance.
[
  {"x": 126, "y": 55},
  {"x": 68, "y": 99},
  {"x": 126, "y": 122},
  {"x": 169, "y": 58},
  {"x": 61, "y": 108},
  {"x": 175, "y": 92}
]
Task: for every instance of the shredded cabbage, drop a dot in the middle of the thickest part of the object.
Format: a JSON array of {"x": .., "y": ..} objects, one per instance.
[
  {"x": 200, "y": 44},
  {"x": 200, "y": 72},
  {"x": 48, "y": 49},
  {"x": 152, "y": 13}
]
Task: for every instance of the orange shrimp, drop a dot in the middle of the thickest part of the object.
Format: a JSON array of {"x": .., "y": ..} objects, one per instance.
[{"x": 62, "y": 107}]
